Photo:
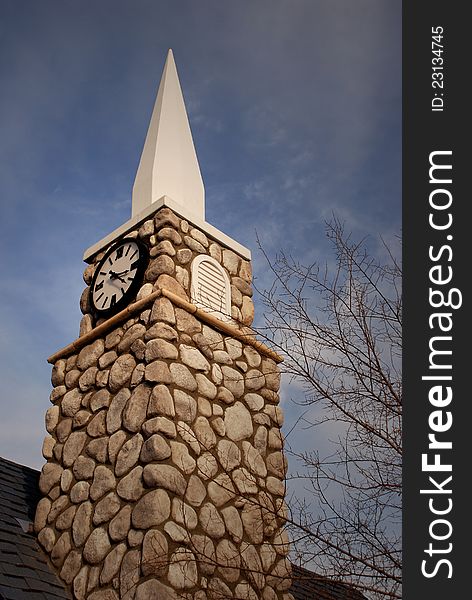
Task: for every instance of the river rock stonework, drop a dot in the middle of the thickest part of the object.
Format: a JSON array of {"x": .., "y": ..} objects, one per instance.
[{"x": 165, "y": 470}]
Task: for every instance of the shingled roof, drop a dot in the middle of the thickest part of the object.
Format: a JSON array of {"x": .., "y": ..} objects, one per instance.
[
  {"x": 24, "y": 569},
  {"x": 307, "y": 585},
  {"x": 25, "y": 573}
]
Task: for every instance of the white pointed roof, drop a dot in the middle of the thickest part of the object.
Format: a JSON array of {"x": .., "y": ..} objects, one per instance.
[
  {"x": 169, "y": 165},
  {"x": 168, "y": 173}
]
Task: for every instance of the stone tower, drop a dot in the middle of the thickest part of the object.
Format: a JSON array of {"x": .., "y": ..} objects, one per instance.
[{"x": 165, "y": 469}]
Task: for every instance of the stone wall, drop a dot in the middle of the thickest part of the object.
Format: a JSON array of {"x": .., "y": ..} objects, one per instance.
[{"x": 165, "y": 468}]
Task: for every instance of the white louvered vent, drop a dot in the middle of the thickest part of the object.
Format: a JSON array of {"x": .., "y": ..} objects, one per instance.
[{"x": 210, "y": 287}]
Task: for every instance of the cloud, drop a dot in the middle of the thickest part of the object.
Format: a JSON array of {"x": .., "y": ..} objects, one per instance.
[{"x": 295, "y": 112}]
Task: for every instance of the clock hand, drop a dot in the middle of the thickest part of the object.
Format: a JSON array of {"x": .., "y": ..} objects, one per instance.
[{"x": 114, "y": 275}]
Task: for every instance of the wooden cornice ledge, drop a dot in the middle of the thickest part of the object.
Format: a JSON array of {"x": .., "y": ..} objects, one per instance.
[{"x": 246, "y": 335}]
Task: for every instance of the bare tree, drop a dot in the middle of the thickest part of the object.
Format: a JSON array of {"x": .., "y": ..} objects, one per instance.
[{"x": 339, "y": 329}]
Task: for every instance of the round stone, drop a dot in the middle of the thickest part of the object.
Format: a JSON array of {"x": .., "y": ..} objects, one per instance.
[
  {"x": 194, "y": 245},
  {"x": 211, "y": 521},
  {"x": 195, "y": 492},
  {"x": 61, "y": 549},
  {"x": 63, "y": 429},
  {"x": 87, "y": 380},
  {"x": 82, "y": 525},
  {"x": 161, "y": 330},
  {"x": 166, "y": 477},
  {"x": 73, "y": 447},
  {"x": 52, "y": 418},
  {"x": 156, "y": 448},
  {"x": 215, "y": 252},
  {"x": 184, "y": 514},
  {"x": 50, "y": 476},
  {"x": 188, "y": 435},
  {"x": 233, "y": 523},
  {"x": 193, "y": 358},
  {"x": 97, "y": 546},
  {"x": 205, "y": 386},
  {"x": 71, "y": 403},
  {"x": 253, "y": 460},
  {"x": 238, "y": 422},
  {"x": 97, "y": 426},
  {"x": 106, "y": 508},
  {"x": 254, "y": 380},
  {"x": 103, "y": 482},
  {"x": 228, "y": 454},
  {"x": 80, "y": 492},
  {"x": 199, "y": 236},
  {"x": 81, "y": 419},
  {"x": 207, "y": 466},
  {"x": 159, "y": 348},
  {"x": 135, "y": 411},
  {"x": 247, "y": 311},
  {"x": 182, "y": 569},
  {"x": 186, "y": 322},
  {"x": 205, "y": 552},
  {"x": 176, "y": 532},
  {"x": 255, "y": 402},
  {"x": 160, "y": 425},
  {"x": 47, "y": 538},
  {"x": 233, "y": 381},
  {"x": 107, "y": 359},
  {"x": 231, "y": 261},
  {"x": 245, "y": 481},
  {"x": 90, "y": 354},
  {"x": 185, "y": 406},
  {"x": 115, "y": 411},
  {"x": 128, "y": 455},
  {"x": 221, "y": 490},
  {"x": 151, "y": 510},
  {"x": 129, "y": 573},
  {"x": 42, "y": 512},
  {"x": 121, "y": 371},
  {"x": 161, "y": 402},
  {"x": 170, "y": 284},
  {"x": 161, "y": 264},
  {"x": 98, "y": 449},
  {"x": 182, "y": 377},
  {"x": 120, "y": 524},
  {"x": 181, "y": 457},
  {"x": 152, "y": 589},
  {"x": 57, "y": 393},
  {"x": 112, "y": 563},
  {"x": 154, "y": 559},
  {"x": 184, "y": 256},
  {"x": 130, "y": 336},
  {"x": 253, "y": 524},
  {"x": 277, "y": 464},
  {"x": 58, "y": 373},
  {"x": 83, "y": 468},
  {"x": 228, "y": 560},
  {"x": 163, "y": 310},
  {"x": 158, "y": 372}
]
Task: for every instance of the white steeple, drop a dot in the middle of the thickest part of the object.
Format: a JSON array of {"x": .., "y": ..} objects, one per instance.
[{"x": 168, "y": 164}]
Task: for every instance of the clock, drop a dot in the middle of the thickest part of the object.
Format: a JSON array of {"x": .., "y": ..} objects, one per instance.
[{"x": 118, "y": 276}]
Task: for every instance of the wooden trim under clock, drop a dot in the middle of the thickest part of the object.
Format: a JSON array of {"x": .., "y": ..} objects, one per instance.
[{"x": 246, "y": 335}]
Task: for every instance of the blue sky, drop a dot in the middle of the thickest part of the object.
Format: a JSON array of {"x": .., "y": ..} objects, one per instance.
[{"x": 295, "y": 108}]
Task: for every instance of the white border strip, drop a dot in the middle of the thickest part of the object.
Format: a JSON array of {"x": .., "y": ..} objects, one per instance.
[{"x": 213, "y": 232}]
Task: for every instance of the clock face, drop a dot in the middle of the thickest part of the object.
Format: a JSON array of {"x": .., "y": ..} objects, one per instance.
[{"x": 118, "y": 276}]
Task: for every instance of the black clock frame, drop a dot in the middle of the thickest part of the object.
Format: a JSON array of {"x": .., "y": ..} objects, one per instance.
[{"x": 135, "y": 284}]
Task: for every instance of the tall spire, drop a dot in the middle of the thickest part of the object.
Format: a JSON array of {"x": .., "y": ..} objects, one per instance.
[{"x": 169, "y": 164}]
